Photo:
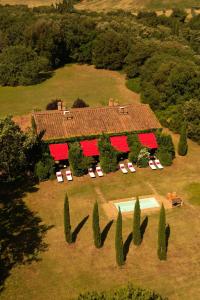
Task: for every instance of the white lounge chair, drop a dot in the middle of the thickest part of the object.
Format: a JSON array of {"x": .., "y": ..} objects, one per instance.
[
  {"x": 69, "y": 175},
  {"x": 131, "y": 168},
  {"x": 59, "y": 176},
  {"x": 152, "y": 165},
  {"x": 99, "y": 171},
  {"x": 123, "y": 169},
  {"x": 91, "y": 173},
  {"x": 158, "y": 164}
]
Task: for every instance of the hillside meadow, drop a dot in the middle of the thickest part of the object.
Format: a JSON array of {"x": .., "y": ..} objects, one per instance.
[
  {"x": 110, "y": 4},
  {"x": 67, "y": 83}
]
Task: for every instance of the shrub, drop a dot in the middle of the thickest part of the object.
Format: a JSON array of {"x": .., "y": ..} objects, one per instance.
[
  {"x": 53, "y": 105},
  {"x": 44, "y": 169},
  {"x": 164, "y": 156},
  {"x": 123, "y": 293},
  {"x": 143, "y": 158},
  {"x": 166, "y": 150},
  {"x": 182, "y": 145},
  {"x": 79, "y": 103}
]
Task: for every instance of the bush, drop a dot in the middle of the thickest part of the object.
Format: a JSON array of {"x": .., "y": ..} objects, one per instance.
[
  {"x": 166, "y": 144},
  {"x": 45, "y": 169},
  {"x": 143, "y": 162},
  {"x": 79, "y": 103},
  {"x": 53, "y": 105},
  {"x": 124, "y": 293},
  {"x": 164, "y": 156}
]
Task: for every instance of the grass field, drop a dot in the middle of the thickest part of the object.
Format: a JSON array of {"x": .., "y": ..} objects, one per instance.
[
  {"x": 68, "y": 83},
  {"x": 134, "y": 5},
  {"x": 114, "y": 4},
  {"x": 64, "y": 271}
]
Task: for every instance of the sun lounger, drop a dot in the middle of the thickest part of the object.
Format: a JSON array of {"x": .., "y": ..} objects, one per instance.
[
  {"x": 69, "y": 175},
  {"x": 131, "y": 168},
  {"x": 158, "y": 164},
  {"x": 91, "y": 173},
  {"x": 152, "y": 165},
  {"x": 59, "y": 177},
  {"x": 123, "y": 169},
  {"x": 99, "y": 171}
]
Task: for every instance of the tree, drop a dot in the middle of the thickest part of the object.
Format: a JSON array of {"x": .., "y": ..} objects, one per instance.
[
  {"x": 119, "y": 240},
  {"x": 108, "y": 155},
  {"x": 67, "y": 224},
  {"x": 96, "y": 227},
  {"x": 110, "y": 49},
  {"x": 136, "y": 224},
  {"x": 182, "y": 145},
  {"x": 20, "y": 65},
  {"x": 192, "y": 116},
  {"x": 79, "y": 103},
  {"x": 12, "y": 150},
  {"x": 78, "y": 162},
  {"x": 162, "y": 250},
  {"x": 135, "y": 147},
  {"x": 53, "y": 105},
  {"x": 65, "y": 6}
]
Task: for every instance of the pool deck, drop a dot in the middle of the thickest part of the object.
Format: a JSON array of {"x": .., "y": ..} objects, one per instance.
[{"x": 111, "y": 210}]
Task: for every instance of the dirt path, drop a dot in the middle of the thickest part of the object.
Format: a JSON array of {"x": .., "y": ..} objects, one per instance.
[{"x": 100, "y": 194}]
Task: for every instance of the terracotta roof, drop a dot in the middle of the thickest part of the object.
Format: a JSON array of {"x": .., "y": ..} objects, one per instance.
[{"x": 93, "y": 121}]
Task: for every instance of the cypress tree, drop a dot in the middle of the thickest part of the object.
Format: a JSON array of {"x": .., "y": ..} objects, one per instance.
[
  {"x": 182, "y": 145},
  {"x": 136, "y": 224},
  {"x": 119, "y": 240},
  {"x": 67, "y": 225},
  {"x": 162, "y": 249},
  {"x": 96, "y": 227}
]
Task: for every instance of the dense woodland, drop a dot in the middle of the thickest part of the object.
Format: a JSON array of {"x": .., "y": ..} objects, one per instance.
[{"x": 160, "y": 55}]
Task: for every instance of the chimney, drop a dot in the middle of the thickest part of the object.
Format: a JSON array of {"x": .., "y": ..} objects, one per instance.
[
  {"x": 123, "y": 110},
  {"x": 116, "y": 102},
  {"x": 111, "y": 102},
  {"x": 59, "y": 105},
  {"x": 67, "y": 114}
]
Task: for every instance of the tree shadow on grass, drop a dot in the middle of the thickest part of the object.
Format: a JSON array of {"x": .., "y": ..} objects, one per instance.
[
  {"x": 78, "y": 228},
  {"x": 105, "y": 231},
  {"x": 21, "y": 230},
  {"x": 21, "y": 236},
  {"x": 143, "y": 227},
  {"x": 167, "y": 235},
  {"x": 127, "y": 245}
]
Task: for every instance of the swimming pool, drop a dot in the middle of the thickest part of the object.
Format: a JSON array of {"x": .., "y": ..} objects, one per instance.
[{"x": 128, "y": 206}]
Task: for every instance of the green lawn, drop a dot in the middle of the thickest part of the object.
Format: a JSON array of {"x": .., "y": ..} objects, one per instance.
[
  {"x": 68, "y": 83},
  {"x": 65, "y": 271}
]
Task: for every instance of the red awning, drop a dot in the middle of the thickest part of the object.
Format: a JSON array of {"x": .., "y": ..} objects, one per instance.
[
  {"x": 59, "y": 151},
  {"x": 148, "y": 140},
  {"x": 120, "y": 143},
  {"x": 90, "y": 147}
]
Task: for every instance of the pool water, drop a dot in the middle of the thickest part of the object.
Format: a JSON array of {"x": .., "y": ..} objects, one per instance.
[{"x": 128, "y": 206}]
